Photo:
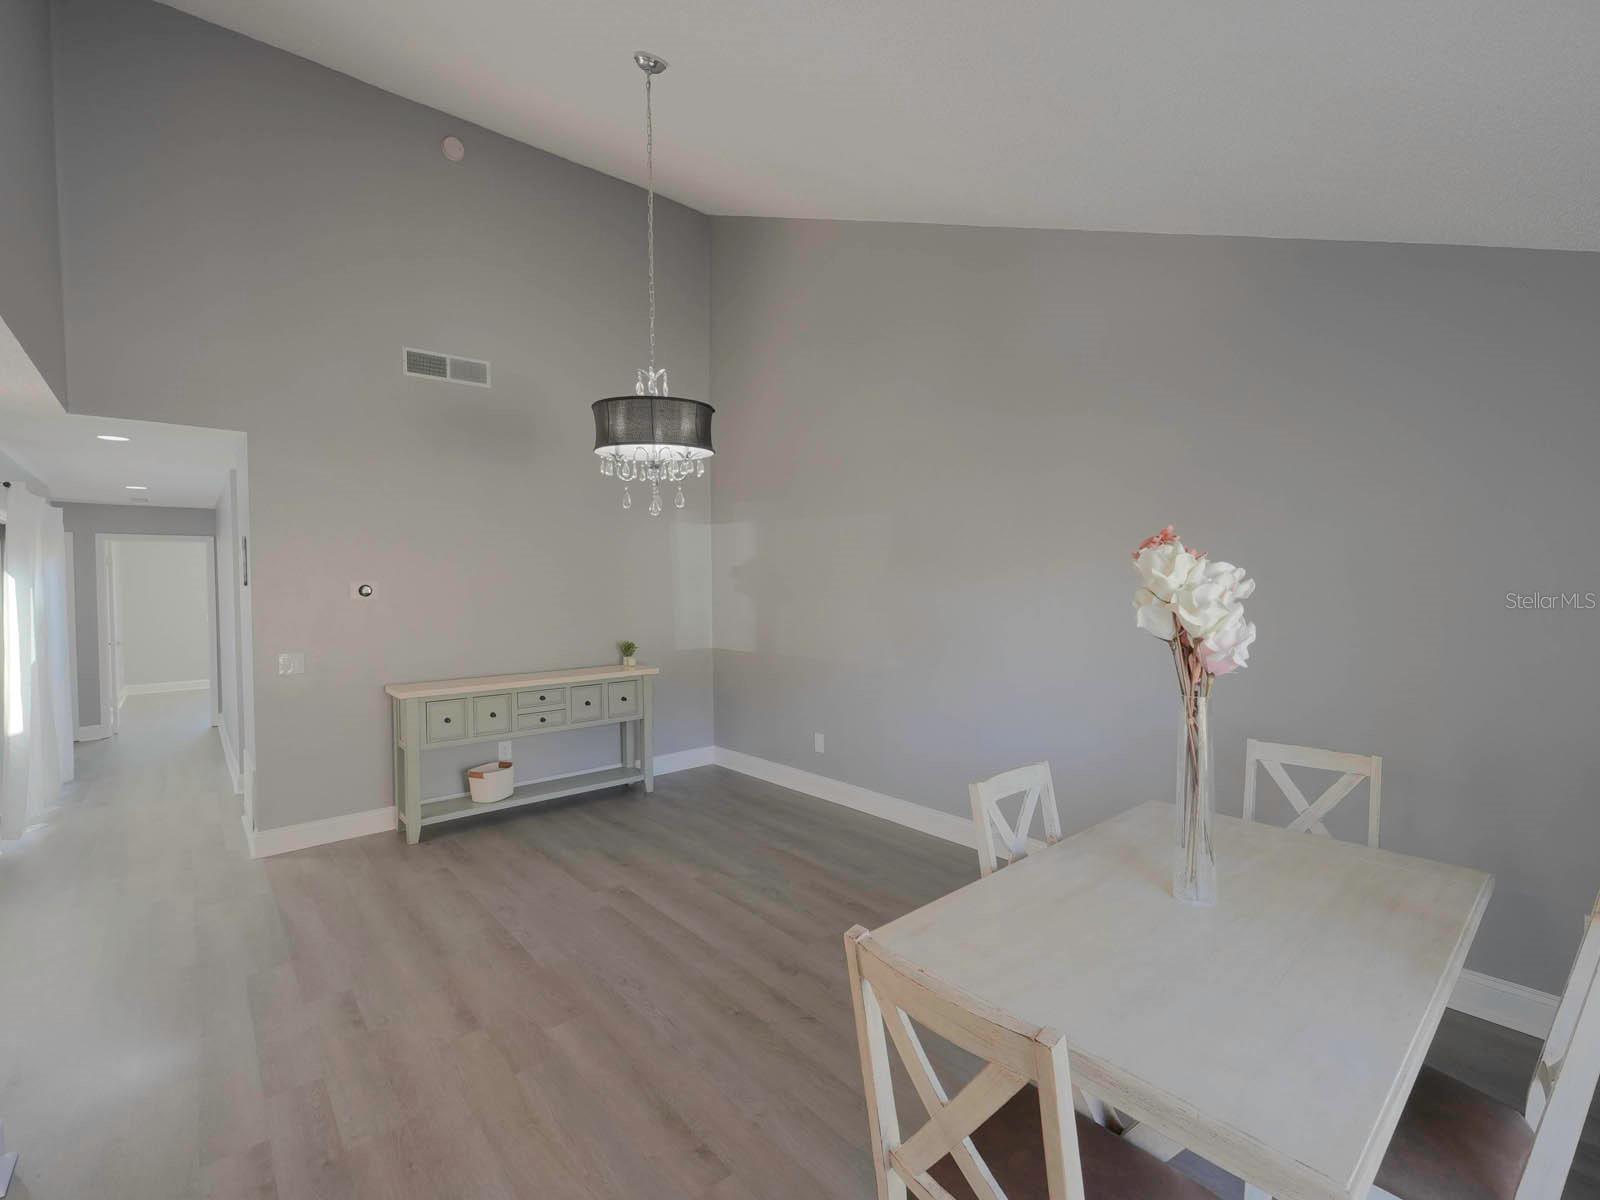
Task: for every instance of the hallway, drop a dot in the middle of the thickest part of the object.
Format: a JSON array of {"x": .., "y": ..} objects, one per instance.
[{"x": 130, "y": 921}]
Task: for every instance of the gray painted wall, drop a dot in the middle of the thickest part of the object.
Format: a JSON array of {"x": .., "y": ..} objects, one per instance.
[
  {"x": 84, "y": 521},
  {"x": 939, "y": 445},
  {"x": 30, "y": 248},
  {"x": 248, "y": 241}
]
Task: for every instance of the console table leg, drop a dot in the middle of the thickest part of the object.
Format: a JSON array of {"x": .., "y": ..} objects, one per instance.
[
  {"x": 647, "y": 732},
  {"x": 629, "y": 758},
  {"x": 412, "y": 719}
]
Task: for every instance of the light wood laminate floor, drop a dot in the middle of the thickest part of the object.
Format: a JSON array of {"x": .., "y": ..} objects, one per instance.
[{"x": 620, "y": 996}]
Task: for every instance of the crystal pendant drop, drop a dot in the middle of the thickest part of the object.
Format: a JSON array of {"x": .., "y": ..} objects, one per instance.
[
  {"x": 678, "y": 500},
  {"x": 627, "y": 498},
  {"x": 655, "y": 501}
]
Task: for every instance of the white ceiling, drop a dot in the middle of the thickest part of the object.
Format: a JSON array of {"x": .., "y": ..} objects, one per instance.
[
  {"x": 1462, "y": 121},
  {"x": 183, "y": 466}
]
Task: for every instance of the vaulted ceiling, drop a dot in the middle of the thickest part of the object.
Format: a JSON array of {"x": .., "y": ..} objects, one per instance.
[{"x": 1463, "y": 121}]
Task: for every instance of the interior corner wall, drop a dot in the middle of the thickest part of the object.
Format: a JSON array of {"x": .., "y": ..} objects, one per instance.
[
  {"x": 84, "y": 521},
  {"x": 249, "y": 240},
  {"x": 977, "y": 425},
  {"x": 30, "y": 248}
]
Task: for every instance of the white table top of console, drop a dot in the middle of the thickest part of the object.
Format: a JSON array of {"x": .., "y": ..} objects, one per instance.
[{"x": 434, "y": 688}]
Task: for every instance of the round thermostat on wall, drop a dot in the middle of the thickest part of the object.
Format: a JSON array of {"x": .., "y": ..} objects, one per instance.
[{"x": 453, "y": 148}]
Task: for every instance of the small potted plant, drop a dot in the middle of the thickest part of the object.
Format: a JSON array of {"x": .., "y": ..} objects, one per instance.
[{"x": 628, "y": 650}]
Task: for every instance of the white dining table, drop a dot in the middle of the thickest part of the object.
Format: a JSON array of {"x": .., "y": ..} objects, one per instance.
[{"x": 1277, "y": 1033}]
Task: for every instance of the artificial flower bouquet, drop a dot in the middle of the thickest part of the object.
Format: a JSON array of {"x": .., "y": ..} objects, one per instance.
[{"x": 1196, "y": 606}]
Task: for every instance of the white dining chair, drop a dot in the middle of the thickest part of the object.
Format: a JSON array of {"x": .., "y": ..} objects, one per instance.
[
  {"x": 1455, "y": 1143},
  {"x": 1038, "y": 794},
  {"x": 1273, "y": 757},
  {"x": 1011, "y": 1132}
]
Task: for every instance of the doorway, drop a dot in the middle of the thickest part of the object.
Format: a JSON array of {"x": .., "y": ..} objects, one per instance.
[
  {"x": 157, "y": 597},
  {"x": 155, "y": 520}
]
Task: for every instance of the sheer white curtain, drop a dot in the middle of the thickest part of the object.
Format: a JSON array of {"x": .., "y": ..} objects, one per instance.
[{"x": 38, "y": 692}]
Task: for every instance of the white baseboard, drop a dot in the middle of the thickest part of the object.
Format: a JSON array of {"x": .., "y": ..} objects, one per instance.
[
  {"x": 1505, "y": 1003},
  {"x": 91, "y": 733},
  {"x": 266, "y": 842},
  {"x": 890, "y": 808},
  {"x": 1498, "y": 1000},
  {"x": 685, "y": 760},
  {"x": 151, "y": 689}
]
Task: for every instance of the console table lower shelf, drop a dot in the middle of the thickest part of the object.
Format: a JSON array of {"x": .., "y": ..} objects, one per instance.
[
  {"x": 437, "y": 812},
  {"x": 449, "y": 713}
]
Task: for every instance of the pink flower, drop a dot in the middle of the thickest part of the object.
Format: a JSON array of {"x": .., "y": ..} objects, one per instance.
[{"x": 1165, "y": 538}]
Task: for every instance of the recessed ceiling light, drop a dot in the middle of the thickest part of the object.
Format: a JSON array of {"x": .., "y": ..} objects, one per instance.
[
  {"x": 111, "y": 437},
  {"x": 136, "y": 487}
]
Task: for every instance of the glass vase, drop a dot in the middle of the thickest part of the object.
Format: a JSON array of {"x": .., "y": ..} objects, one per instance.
[{"x": 1194, "y": 861}]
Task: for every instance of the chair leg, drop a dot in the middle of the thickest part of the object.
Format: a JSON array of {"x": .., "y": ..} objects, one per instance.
[
  {"x": 1091, "y": 1106},
  {"x": 1151, "y": 1141}
]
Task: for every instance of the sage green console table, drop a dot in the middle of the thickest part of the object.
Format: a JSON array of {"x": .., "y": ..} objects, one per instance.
[{"x": 498, "y": 708}]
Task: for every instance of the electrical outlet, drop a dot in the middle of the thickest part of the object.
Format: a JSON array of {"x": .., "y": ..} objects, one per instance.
[
  {"x": 505, "y": 751},
  {"x": 292, "y": 662},
  {"x": 816, "y": 739}
]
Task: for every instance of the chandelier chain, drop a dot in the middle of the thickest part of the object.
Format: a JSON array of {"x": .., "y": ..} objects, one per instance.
[{"x": 650, "y": 211}]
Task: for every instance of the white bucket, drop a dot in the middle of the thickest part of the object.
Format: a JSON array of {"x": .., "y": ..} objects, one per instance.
[{"x": 490, "y": 782}]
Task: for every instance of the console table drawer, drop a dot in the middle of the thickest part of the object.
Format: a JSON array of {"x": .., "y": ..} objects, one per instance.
[
  {"x": 548, "y": 718},
  {"x": 584, "y": 703},
  {"x": 622, "y": 698},
  {"x": 555, "y": 697},
  {"x": 491, "y": 714},
  {"x": 447, "y": 720}
]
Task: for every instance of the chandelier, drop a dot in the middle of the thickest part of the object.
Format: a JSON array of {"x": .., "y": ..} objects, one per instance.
[{"x": 652, "y": 436}]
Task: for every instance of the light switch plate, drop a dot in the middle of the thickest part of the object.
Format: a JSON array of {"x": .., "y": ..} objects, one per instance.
[
  {"x": 292, "y": 662},
  {"x": 816, "y": 740}
]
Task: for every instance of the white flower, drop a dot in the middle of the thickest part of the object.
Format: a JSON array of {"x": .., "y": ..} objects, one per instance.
[
  {"x": 1154, "y": 615},
  {"x": 1227, "y": 647},
  {"x": 1165, "y": 568},
  {"x": 1205, "y": 598},
  {"x": 1210, "y": 596}
]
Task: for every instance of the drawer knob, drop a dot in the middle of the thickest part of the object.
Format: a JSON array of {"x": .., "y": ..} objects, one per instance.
[
  {"x": 541, "y": 720},
  {"x": 494, "y": 714},
  {"x": 586, "y": 703},
  {"x": 541, "y": 697},
  {"x": 624, "y": 697},
  {"x": 447, "y": 720}
]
